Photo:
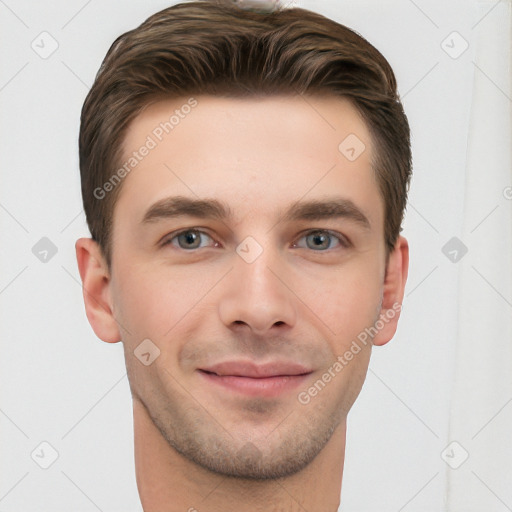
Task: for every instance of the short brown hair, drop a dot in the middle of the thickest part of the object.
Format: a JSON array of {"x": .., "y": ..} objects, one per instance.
[{"x": 217, "y": 48}]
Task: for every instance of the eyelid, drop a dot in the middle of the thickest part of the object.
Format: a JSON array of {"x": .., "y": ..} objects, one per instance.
[
  {"x": 167, "y": 239},
  {"x": 342, "y": 239}
]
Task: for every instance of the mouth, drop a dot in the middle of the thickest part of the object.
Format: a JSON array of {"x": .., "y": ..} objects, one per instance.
[{"x": 269, "y": 380}]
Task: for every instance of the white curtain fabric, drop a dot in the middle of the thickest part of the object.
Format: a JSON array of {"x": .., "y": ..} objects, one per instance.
[{"x": 480, "y": 415}]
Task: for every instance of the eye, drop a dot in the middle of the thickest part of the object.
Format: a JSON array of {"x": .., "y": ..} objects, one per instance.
[
  {"x": 187, "y": 239},
  {"x": 322, "y": 238},
  {"x": 319, "y": 240}
]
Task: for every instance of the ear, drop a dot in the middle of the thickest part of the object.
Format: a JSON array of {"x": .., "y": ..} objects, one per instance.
[
  {"x": 393, "y": 292},
  {"x": 96, "y": 290}
]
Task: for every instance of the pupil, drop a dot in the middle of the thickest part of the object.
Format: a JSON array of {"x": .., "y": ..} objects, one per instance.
[
  {"x": 190, "y": 237},
  {"x": 319, "y": 239}
]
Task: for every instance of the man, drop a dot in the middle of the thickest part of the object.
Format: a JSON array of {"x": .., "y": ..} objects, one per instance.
[{"x": 244, "y": 176}]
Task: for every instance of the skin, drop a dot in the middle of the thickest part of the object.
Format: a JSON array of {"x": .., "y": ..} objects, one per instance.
[{"x": 201, "y": 446}]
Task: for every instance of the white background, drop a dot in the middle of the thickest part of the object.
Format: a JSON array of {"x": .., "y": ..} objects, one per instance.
[{"x": 447, "y": 375}]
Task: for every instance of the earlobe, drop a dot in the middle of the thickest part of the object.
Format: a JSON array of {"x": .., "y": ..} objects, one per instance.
[
  {"x": 96, "y": 290},
  {"x": 393, "y": 292}
]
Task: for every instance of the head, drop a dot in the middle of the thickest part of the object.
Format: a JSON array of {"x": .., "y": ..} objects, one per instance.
[{"x": 244, "y": 178}]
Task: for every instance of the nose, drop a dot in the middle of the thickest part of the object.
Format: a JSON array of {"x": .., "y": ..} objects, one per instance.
[{"x": 257, "y": 296}]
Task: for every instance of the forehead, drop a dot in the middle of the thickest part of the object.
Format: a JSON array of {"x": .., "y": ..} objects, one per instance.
[{"x": 254, "y": 152}]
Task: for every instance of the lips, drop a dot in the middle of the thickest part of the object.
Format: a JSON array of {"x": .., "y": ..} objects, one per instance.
[
  {"x": 246, "y": 378},
  {"x": 249, "y": 369}
]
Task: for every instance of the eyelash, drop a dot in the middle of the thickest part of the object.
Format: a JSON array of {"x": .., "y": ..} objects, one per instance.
[{"x": 343, "y": 241}]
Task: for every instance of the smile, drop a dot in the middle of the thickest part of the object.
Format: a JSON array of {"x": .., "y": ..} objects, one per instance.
[{"x": 268, "y": 380}]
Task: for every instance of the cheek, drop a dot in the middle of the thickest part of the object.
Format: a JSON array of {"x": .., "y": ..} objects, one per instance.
[
  {"x": 138, "y": 304},
  {"x": 345, "y": 301},
  {"x": 152, "y": 304}
]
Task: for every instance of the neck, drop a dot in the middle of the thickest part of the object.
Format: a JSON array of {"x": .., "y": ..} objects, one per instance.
[{"x": 168, "y": 482}]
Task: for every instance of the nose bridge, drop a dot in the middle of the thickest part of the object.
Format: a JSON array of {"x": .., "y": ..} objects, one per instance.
[
  {"x": 253, "y": 265},
  {"x": 257, "y": 296}
]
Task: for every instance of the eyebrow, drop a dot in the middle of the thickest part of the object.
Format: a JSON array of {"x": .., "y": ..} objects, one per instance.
[{"x": 178, "y": 206}]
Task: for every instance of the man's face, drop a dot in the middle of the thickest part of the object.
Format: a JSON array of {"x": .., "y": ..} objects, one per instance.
[{"x": 251, "y": 309}]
